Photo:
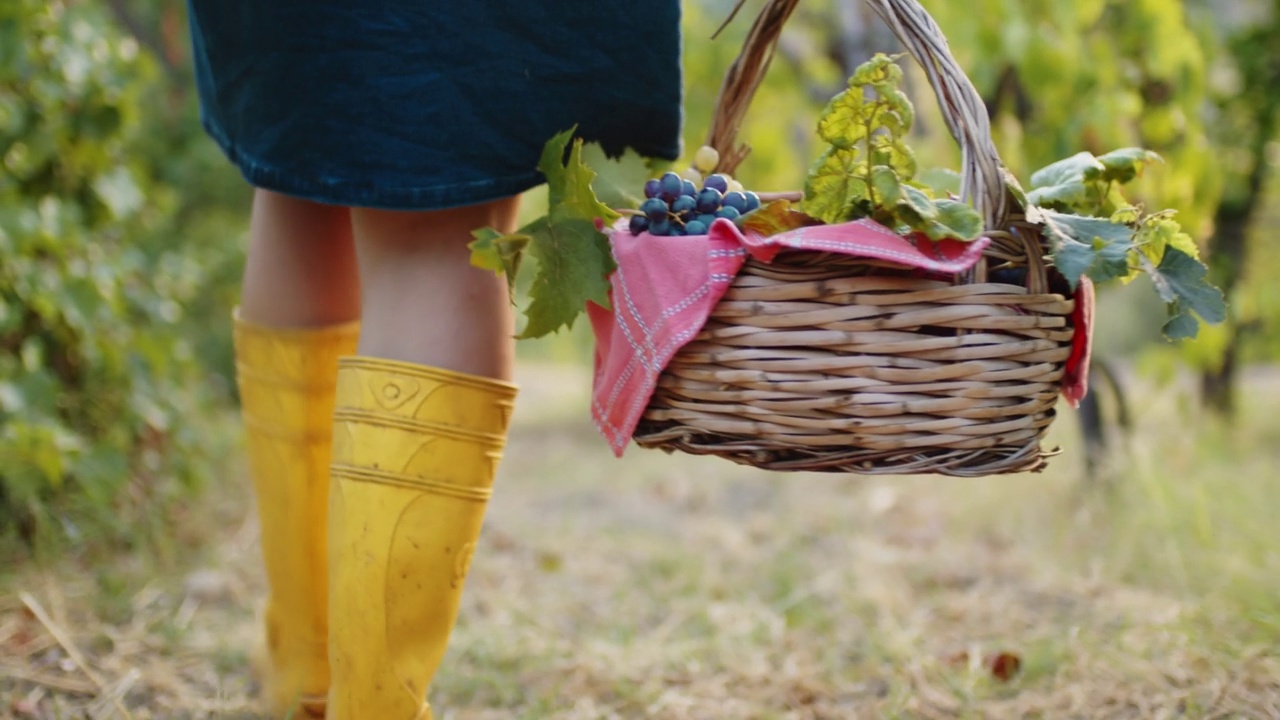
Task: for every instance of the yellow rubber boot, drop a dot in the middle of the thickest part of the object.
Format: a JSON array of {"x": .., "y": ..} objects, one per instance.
[
  {"x": 286, "y": 379},
  {"x": 415, "y": 451}
]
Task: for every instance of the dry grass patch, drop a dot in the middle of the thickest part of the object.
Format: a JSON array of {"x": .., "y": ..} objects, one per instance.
[{"x": 678, "y": 587}]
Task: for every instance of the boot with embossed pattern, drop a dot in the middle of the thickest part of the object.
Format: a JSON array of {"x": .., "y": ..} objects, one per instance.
[
  {"x": 286, "y": 379},
  {"x": 415, "y": 451}
]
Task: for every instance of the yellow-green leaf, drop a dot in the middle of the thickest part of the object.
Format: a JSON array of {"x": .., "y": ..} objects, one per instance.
[
  {"x": 492, "y": 250},
  {"x": 569, "y": 183},
  {"x": 1125, "y": 164},
  {"x": 831, "y": 184},
  {"x": 777, "y": 217},
  {"x": 841, "y": 123},
  {"x": 879, "y": 69}
]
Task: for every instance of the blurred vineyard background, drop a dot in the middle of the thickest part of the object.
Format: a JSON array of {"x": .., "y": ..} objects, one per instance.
[{"x": 122, "y": 233}]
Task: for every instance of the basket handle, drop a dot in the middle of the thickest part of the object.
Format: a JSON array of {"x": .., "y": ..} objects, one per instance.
[{"x": 982, "y": 179}]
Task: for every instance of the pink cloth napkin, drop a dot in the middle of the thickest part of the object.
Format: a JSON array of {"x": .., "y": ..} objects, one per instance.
[{"x": 665, "y": 288}]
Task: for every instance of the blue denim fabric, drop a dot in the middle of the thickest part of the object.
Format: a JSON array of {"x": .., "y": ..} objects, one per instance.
[{"x": 419, "y": 104}]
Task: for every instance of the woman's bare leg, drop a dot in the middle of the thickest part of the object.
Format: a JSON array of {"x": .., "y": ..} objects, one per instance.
[
  {"x": 301, "y": 267},
  {"x": 423, "y": 301}
]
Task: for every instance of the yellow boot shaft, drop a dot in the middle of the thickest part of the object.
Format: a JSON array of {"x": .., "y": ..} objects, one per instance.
[
  {"x": 287, "y": 380},
  {"x": 415, "y": 453}
]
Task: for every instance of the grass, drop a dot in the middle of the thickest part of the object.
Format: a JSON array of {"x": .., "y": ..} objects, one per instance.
[
  {"x": 1188, "y": 513},
  {"x": 679, "y": 587}
]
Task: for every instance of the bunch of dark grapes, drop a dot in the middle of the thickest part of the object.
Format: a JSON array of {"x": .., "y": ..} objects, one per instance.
[{"x": 676, "y": 206}]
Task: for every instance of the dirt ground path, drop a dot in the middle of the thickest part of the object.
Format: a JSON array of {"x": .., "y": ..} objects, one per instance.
[{"x": 676, "y": 587}]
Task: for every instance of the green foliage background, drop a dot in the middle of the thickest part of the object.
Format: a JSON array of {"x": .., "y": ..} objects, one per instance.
[
  {"x": 121, "y": 225},
  {"x": 103, "y": 276}
]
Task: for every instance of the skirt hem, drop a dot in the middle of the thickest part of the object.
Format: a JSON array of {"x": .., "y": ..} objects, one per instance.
[{"x": 346, "y": 193}]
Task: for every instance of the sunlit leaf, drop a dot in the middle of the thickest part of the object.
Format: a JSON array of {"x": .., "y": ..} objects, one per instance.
[
  {"x": 777, "y": 217},
  {"x": 1125, "y": 164},
  {"x": 831, "y": 184},
  {"x": 1069, "y": 170}
]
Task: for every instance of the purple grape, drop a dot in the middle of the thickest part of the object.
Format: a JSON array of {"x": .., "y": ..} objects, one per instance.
[
  {"x": 684, "y": 204},
  {"x": 718, "y": 182},
  {"x": 689, "y": 189},
  {"x": 670, "y": 186},
  {"x": 709, "y": 200},
  {"x": 695, "y": 227},
  {"x": 639, "y": 224},
  {"x": 654, "y": 209},
  {"x": 728, "y": 213},
  {"x": 660, "y": 228},
  {"x": 652, "y": 188},
  {"x": 753, "y": 201},
  {"x": 706, "y": 219},
  {"x": 735, "y": 200}
]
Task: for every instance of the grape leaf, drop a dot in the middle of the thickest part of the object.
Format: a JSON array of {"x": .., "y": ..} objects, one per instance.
[
  {"x": 1127, "y": 215},
  {"x": 1100, "y": 261},
  {"x": 574, "y": 258},
  {"x": 1180, "y": 279},
  {"x": 1123, "y": 165},
  {"x": 1062, "y": 196},
  {"x": 899, "y": 114},
  {"x": 1089, "y": 246},
  {"x": 574, "y": 262},
  {"x": 891, "y": 153},
  {"x": 956, "y": 220},
  {"x": 831, "y": 184},
  {"x": 1072, "y": 169},
  {"x": 841, "y": 123},
  {"x": 867, "y": 168},
  {"x": 1158, "y": 232},
  {"x": 917, "y": 202},
  {"x": 1186, "y": 244},
  {"x": 1182, "y": 326},
  {"x": 500, "y": 253},
  {"x": 878, "y": 71},
  {"x": 619, "y": 181},
  {"x": 1112, "y": 239},
  {"x": 1086, "y": 184},
  {"x": 777, "y": 217},
  {"x": 569, "y": 191},
  {"x": 886, "y": 185},
  {"x": 910, "y": 209},
  {"x": 890, "y": 111}
]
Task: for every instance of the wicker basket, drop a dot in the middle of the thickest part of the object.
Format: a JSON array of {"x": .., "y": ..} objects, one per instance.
[{"x": 819, "y": 362}]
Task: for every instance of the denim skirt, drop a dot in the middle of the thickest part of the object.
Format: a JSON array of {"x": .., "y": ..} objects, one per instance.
[{"x": 422, "y": 104}]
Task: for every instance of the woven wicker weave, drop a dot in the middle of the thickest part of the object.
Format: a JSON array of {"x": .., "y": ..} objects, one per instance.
[{"x": 821, "y": 362}]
